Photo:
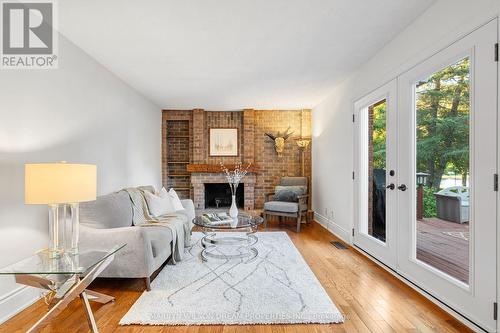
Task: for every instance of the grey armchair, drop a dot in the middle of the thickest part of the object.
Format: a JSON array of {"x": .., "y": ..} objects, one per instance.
[{"x": 291, "y": 202}]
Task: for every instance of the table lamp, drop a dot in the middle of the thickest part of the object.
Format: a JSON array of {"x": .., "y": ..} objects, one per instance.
[{"x": 61, "y": 186}]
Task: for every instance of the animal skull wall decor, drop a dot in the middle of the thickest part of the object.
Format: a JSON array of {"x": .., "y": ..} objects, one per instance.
[{"x": 279, "y": 140}]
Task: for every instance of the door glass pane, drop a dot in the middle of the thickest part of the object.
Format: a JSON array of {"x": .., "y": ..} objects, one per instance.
[
  {"x": 376, "y": 170},
  {"x": 442, "y": 164}
]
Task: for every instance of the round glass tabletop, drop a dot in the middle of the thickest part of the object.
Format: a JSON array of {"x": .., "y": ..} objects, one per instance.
[{"x": 220, "y": 220}]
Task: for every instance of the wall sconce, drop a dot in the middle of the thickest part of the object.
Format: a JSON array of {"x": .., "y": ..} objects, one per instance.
[{"x": 302, "y": 143}]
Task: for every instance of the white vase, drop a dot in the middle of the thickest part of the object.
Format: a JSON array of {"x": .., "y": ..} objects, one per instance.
[
  {"x": 233, "y": 211},
  {"x": 234, "y": 222}
]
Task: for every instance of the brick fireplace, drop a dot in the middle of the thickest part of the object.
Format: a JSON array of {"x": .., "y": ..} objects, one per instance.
[{"x": 185, "y": 150}]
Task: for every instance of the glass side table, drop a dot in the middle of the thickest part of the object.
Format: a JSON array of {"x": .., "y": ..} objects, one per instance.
[{"x": 64, "y": 279}]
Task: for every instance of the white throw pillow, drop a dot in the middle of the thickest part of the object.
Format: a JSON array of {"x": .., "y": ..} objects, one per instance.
[
  {"x": 159, "y": 205},
  {"x": 161, "y": 193},
  {"x": 174, "y": 199}
]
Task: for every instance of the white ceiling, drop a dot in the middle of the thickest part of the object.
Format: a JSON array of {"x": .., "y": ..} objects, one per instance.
[{"x": 232, "y": 54}]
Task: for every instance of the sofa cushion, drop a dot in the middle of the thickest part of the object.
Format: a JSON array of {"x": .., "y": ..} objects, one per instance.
[
  {"x": 108, "y": 211},
  {"x": 288, "y": 193},
  {"x": 281, "y": 206},
  {"x": 174, "y": 198}
]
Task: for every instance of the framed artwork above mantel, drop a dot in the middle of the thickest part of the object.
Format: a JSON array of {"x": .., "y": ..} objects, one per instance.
[{"x": 223, "y": 141}]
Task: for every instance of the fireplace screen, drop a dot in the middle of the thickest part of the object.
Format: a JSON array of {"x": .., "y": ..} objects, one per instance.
[{"x": 218, "y": 195}]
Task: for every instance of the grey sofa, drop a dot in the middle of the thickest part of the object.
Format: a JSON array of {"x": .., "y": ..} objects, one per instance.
[
  {"x": 297, "y": 209},
  {"x": 107, "y": 222}
]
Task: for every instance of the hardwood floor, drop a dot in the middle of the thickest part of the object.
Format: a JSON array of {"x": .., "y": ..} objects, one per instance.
[{"x": 371, "y": 299}]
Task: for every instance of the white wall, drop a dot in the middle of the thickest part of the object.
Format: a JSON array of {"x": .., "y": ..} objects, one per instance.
[
  {"x": 443, "y": 23},
  {"x": 78, "y": 113}
]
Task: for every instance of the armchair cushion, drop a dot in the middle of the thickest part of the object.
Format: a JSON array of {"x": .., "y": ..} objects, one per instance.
[
  {"x": 282, "y": 206},
  {"x": 289, "y": 193}
]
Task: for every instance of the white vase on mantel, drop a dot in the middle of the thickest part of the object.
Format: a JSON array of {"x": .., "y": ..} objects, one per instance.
[{"x": 233, "y": 211}]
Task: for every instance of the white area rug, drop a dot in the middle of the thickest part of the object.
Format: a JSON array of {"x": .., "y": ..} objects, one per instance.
[{"x": 277, "y": 287}]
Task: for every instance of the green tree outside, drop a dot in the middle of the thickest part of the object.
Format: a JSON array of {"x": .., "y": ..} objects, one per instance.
[
  {"x": 443, "y": 120},
  {"x": 443, "y": 110}
]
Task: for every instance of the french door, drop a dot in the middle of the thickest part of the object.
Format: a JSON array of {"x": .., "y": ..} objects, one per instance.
[
  {"x": 375, "y": 158},
  {"x": 439, "y": 149},
  {"x": 448, "y": 134}
]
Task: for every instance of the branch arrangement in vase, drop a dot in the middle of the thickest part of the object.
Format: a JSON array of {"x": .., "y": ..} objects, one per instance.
[{"x": 234, "y": 178}]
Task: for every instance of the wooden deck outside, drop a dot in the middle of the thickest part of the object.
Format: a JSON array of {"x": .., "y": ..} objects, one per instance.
[{"x": 445, "y": 246}]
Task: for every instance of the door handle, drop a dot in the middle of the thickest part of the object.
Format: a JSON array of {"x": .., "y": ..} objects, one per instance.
[
  {"x": 402, "y": 187},
  {"x": 391, "y": 186}
]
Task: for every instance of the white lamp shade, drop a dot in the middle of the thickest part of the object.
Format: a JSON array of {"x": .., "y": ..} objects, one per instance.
[{"x": 57, "y": 183}]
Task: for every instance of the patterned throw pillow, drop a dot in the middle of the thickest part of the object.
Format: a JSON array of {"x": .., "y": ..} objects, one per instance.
[{"x": 288, "y": 193}]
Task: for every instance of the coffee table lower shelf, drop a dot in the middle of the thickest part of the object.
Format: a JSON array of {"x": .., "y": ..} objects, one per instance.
[{"x": 214, "y": 244}]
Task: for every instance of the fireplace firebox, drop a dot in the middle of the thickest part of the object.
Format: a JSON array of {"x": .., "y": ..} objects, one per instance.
[{"x": 218, "y": 195}]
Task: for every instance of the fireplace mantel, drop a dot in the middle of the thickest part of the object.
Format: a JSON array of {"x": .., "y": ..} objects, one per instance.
[{"x": 216, "y": 168}]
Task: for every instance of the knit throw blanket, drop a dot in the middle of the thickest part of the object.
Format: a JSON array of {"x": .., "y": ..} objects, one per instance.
[{"x": 181, "y": 233}]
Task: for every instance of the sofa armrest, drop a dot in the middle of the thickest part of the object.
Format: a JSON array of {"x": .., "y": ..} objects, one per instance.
[
  {"x": 189, "y": 207},
  {"x": 134, "y": 260}
]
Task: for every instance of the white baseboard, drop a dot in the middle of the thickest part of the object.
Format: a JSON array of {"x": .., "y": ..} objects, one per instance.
[
  {"x": 16, "y": 301},
  {"x": 333, "y": 227}
]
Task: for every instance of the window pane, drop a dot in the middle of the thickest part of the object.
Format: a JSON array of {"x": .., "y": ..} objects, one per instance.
[
  {"x": 376, "y": 170},
  {"x": 442, "y": 164}
]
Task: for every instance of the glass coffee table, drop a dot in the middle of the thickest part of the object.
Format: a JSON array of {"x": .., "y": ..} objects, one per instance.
[
  {"x": 218, "y": 243},
  {"x": 64, "y": 279}
]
